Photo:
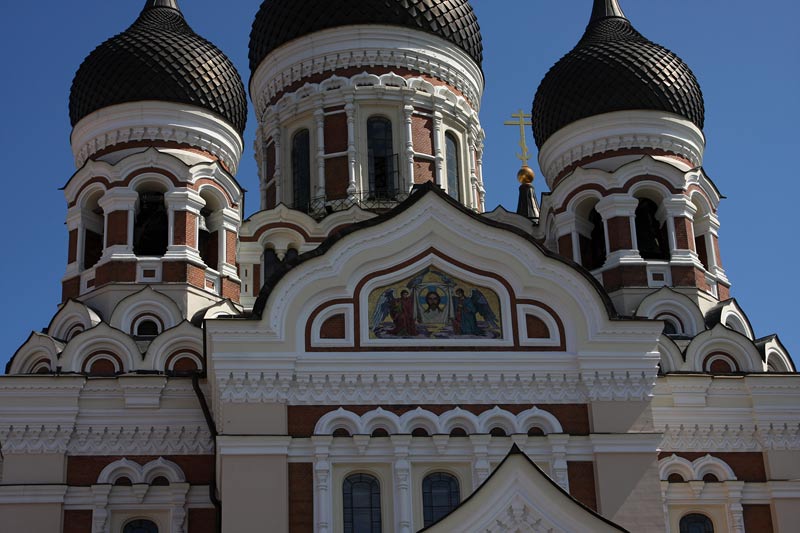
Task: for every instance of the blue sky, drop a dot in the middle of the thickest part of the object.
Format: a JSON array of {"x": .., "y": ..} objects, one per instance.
[{"x": 746, "y": 57}]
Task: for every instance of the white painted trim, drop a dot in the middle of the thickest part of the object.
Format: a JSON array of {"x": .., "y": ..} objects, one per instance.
[
  {"x": 618, "y": 131},
  {"x": 318, "y": 342}
]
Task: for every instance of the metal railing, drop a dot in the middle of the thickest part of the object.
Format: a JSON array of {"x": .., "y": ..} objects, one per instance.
[{"x": 379, "y": 201}]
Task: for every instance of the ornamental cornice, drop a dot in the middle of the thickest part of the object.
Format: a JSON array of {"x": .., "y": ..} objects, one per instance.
[
  {"x": 727, "y": 438},
  {"x": 111, "y": 440},
  {"x": 355, "y": 389}
]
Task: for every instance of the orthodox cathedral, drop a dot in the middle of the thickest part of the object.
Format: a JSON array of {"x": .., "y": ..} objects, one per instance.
[{"x": 372, "y": 351}]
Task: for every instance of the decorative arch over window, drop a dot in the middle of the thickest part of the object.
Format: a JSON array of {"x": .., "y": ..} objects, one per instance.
[
  {"x": 361, "y": 504},
  {"x": 696, "y": 523},
  {"x": 382, "y": 161},
  {"x": 441, "y": 494},
  {"x": 452, "y": 161},
  {"x": 140, "y": 526},
  {"x": 651, "y": 234},
  {"x": 301, "y": 170}
]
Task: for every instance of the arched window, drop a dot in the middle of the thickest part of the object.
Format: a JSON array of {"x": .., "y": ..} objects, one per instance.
[
  {"x": 301, "y": 170},
  {"x": 382, "y": 159},
  {"x": 362, "y": 504},
  {"x": 440, "y": 495},
  {"x": 453, "y": 178},
  {"x": 650, "y": 234},
  {"x": 140, "y": 526},
  {"x": 147, "y": 328},
  {"x": 696, "y": 523},
  {"x": 595, "y": 253},
  {"x": 151, "y": 226},
  {"x": 207, "y": 242}
]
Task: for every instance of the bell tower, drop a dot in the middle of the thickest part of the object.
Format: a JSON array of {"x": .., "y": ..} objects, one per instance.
[
  {"x": 158, "y": 114},
  {"x": 619, "y": 126}
]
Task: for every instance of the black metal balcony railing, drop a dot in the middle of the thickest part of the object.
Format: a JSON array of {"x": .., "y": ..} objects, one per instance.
[{"x": 379, "y": 201}]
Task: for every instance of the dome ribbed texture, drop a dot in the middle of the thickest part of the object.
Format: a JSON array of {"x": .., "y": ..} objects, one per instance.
[
  {"x": 280, "y": 21},
  {"x": 614, "y": 68},
  {"x": 159, "y": 58}
]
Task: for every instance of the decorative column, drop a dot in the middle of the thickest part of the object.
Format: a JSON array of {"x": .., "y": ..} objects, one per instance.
[
  {"x": 350, "y": 111},
  {"x": 709, "y": 228},
  {"x": 178, "y": 512},
  {"x": 479, "y": 165},
  {"x": 276, "y": 140},
  {"x": 402, "y": 481},
  {"x": 319, "y": 117},
  {"x": 565, "y": 229},
  {"x": 323, "y": 495},
  {"x": 100, "y": 522},
  {"x": 619, "y": 217},
  {"x": 559, "y": 454},
  {"x": 735, "y": 509},
  {"x": 474, "y": 194},
  {"x": 480, "y": 465},
  {"x": 228, "y": 223},
  {"x": 184, "y": 208},
  {"x": 680, "y": 212},
  {"x": 438, "y": 120},
  {"x": 119, "y": 205},
  {"x": 408, "y": 113}
]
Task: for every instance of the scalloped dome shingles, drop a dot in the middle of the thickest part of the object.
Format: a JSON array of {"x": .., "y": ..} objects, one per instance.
[
  {"x": 280, "y": 21},
  {"x": 614, "y": 68},
  {"x": 159, "y": 57}
]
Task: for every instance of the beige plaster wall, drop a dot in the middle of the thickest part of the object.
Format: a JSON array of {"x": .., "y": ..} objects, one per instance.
[
  {"x": 785, "y": 515},
  {"x": 41, "y": 518},
  {"x": 254, "y": 419},
  {"x": 254, "y": 494},
  {"x": 44, "y": 469},
  {"x": 782, "y": 464},
  {"x": 621, "y": 417},
  {"x": 629, "y": 491}
]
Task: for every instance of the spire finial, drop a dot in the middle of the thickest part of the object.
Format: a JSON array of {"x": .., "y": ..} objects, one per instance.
[
  {"x": 171, "y": 4},
  {"x": 605, "y": 9}
]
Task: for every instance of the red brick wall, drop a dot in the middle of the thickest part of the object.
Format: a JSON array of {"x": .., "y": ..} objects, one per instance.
[
  {"x": 202, "y": 521},
  {"x": 337, "y": 177},
  {"x": 301, "y": 498},
  {"x": 77, "y": 522},
  {"x": 117, "y": 228},
  {"x": 424, "y": 171},
  {"x": 716, "y": 250},
  {"x": 180, "y": 272},
  {"x": 336, "y": 133},
  {"x": 185, "y": 229},
  {"x": 72, "y": 247},
  {"x": 333, "y": 328},
  {"x": 230, "y": 247},
  {"x": 574, "y": 418},
  {"x": 683, "y": 233},
  {"x": 757, "y": 519},
  {"x": 70, "y": 288},
  {"x": 582, "y": 483},
  {"x": 688, "y": 277},
  {"x": 115, "y": 271},
  {"x": 748, "y": 466},
  {"x": 422, "y": 133},
  {"x": 619, "y": 233},
  {"x": 270, "y": 161},
  {"x": 536, "y": 327},
  {"x": 82, "y": 471},
  {"x": 565, "y": 246},
  {"x": 231, "y": 289},
  {"x": 625, "y": 276}
]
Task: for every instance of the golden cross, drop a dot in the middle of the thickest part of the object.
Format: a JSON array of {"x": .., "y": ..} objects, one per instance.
[{"x": 521, "y": 122}]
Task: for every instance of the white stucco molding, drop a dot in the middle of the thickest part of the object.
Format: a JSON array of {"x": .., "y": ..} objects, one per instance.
[
  {"x": 361, "y": 47},
  {"x": 620, "y": 130},
  {"x": 156, "y": 121}
]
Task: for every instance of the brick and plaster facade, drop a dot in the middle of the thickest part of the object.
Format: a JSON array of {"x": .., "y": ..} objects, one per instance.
[{"x": 205, "y": 371}]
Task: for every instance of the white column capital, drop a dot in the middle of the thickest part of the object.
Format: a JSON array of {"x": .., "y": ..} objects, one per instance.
[
  {"x": 118, "y": 199},
  {"x": 617, "y": 205},
  {"x": 185, "y": 200}
]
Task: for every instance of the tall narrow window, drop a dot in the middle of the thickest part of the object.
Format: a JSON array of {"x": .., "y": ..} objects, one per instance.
[
  {"x": 596, "y": 250},
  {"x": 440, "y": 495},
  {"x": 150, "y": 229},
  {"x": 362, "y": 504},
  {"x": 651, "y": 235},
  {"x": 140, "y": 526},
  {"x": 301, "y": 170},
  {"x": 696, "y": 523},
  {"x": 453, "y": 177},
  {"x": 93, "y": 236},
  {"x": 382, "y": 159}
]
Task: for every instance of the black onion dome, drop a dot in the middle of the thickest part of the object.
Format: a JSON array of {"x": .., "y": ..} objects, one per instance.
[
  {"x": 280, "y": 21},
  {"x": 614, "y": 68},
  {"x": 159, "y": 58}
]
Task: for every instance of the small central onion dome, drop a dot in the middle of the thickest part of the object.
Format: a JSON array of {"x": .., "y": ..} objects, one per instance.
[
  {"x": 280, "y": 21},
  {"x": 614, "y": 68},
  {"x": 159, "y": 58}
]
